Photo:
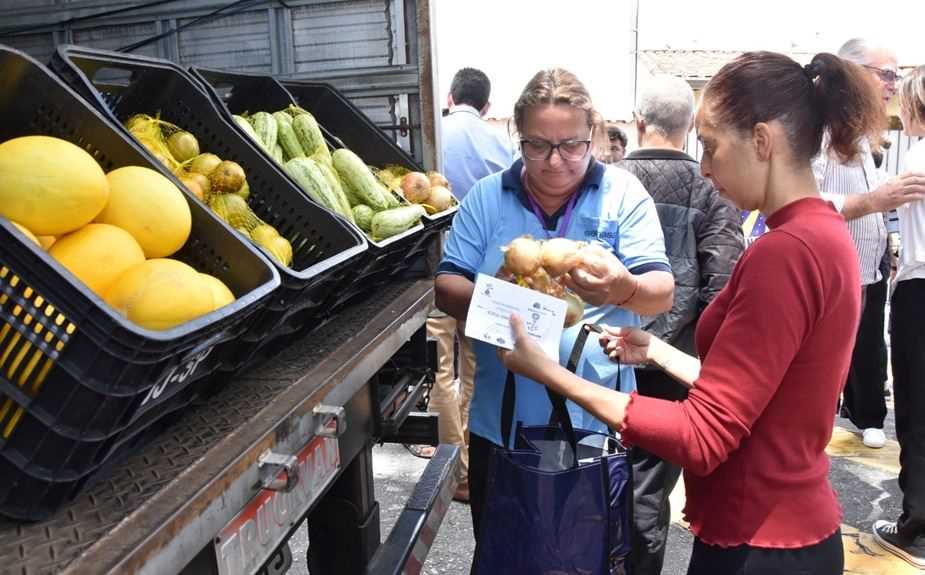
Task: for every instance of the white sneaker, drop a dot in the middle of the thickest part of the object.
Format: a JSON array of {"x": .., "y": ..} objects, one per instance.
[{"x": 874, "y": 438}]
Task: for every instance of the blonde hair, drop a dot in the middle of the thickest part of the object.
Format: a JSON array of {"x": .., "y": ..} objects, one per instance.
[
  {"x": 553, "y": 86},
  {"x": 912, "y": 95}
]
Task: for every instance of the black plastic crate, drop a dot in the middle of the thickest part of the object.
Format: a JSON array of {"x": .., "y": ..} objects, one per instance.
[
  {"x": 343, "y": 125},
  {"x": 331, "y": 108},
  {"x": 76, "y": 378},
  {"x": 324, "y": 246}
]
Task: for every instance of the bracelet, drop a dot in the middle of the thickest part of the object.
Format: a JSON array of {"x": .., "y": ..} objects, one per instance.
[{"x": 632, "y": 295}]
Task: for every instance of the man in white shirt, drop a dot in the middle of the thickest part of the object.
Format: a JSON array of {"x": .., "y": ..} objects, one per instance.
[
  {"x": 855, "y": 191},
  {"x": 472, "y": 149}
]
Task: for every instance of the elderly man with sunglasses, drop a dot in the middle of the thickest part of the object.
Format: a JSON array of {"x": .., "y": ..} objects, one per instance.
[{"x": 857, "y": 192}]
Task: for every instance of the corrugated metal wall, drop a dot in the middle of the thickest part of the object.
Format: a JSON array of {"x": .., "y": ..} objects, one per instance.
[
  {"x": 240, "y": 42},
  {"x": 306, "y": 39},
  {"x": 341, "y": 35}
]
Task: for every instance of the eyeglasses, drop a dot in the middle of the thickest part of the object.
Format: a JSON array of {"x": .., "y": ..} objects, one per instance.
[
  {"x": 569, "y": 150},
  {"x": 888, "y": 76}
]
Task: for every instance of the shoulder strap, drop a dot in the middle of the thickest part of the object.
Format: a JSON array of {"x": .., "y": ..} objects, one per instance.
[
  {"x": 560, "y": 415},
  {"x": 508, "y": 400}
]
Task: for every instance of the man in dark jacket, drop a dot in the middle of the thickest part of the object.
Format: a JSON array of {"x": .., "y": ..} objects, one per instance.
[{"x": 703, "y": 239}]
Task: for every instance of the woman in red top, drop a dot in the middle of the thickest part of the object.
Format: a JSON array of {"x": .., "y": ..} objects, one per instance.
[{"x": 775, "y": 344}]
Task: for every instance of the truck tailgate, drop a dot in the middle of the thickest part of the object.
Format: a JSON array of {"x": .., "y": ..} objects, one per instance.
[{"x": 155, "y": 511}]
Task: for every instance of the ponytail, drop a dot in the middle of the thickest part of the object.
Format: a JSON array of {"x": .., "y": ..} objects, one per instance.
[
  {"x": 847, "y": 102},
  {"x": 827, "y": 95}
]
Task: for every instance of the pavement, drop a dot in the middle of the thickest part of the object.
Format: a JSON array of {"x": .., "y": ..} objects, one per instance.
[{"x": 864, "y": 478}]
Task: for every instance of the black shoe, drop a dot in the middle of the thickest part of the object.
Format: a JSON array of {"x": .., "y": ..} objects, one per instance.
[{"x": 887, "y": 535}]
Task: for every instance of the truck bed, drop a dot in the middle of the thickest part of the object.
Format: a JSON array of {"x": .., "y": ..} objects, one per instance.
[{"x": 154, "y": 511}]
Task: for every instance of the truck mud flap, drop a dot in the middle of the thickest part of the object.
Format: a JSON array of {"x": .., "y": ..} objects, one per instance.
[{"x": 409, "y": 542}]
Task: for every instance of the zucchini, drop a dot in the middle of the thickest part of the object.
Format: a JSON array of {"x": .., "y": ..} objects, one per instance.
[
  {"x": 265, "y": 127},
  {"x": 392, "y": 222},
  {"x": 282, "y": 117},
  {"x": 278, "y": 154},
  {"x": 331, "y": 176},
  {"x": 352, "y": 197},
  {"x": 309, "y": 134},
  {"x": 308, "y": 175},
  {"x": 363, "y": 216},
  {"x": 248, "y": 129},
  {"x": 288, "y": 140},
  {"x": 391, "y": 198},
  {"x": 360, "y": 180}
]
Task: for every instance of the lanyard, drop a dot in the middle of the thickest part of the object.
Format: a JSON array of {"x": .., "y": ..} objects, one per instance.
[{"x": 538, "y": 212}]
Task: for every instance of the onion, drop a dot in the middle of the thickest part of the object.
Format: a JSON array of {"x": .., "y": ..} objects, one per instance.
[
  {"x": 415, "y": 187},
  {"x": 560, "y": 255},
  {"x": 575, "y": 311},
  {"x": 193, "y": 186},
  {"x": 183, "y": 146},
  {"x": 204, "y": 184},
  {"x": 542, "y": 282},
  {"x": 440, "y": 198},
  {"x": 205, "y": 163},
  {"x": 227, "y": 177},
  {"x": 437, "y": 179},
  {"x": 522, "y": 256}
]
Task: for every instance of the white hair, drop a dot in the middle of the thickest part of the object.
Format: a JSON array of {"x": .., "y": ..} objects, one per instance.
[
  {"x": 667, "y": 105},
  {"x": 859, "y": 50}
]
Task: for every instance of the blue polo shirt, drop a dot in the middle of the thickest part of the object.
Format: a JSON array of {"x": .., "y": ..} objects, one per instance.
[
  {"x": 612, "y": 208},
  {"x": 472, "y": 149}
]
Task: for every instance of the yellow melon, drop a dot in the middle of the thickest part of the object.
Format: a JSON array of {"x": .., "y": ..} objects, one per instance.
[
  {"x": 160, "y": 293},
  {"x": 50, "y": 185},
  {"x": 97, "y": 254},
  {"x": 149, "y": 206},
  {"x": 27, "y": 233},
  {"x": 47, "y": 241},
  {"x": 221, "y": 295}
]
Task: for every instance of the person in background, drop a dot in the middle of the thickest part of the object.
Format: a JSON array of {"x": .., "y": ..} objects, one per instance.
[
  {"x": 618, "y": 142},
  {"x": 703, "y": 240},
  {"x": 855, "y": 191},
  {"x": 905, "y": 537},
  {"x": 600, "y": 144},
  {"x": 887, "y": 272},
  {"x": 472, "y": 149},
  {"x": 776, "y": 342},
  {"x": 557, "y": 189}
]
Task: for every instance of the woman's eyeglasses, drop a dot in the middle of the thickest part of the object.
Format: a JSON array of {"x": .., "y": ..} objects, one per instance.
[
  {"x": 569, "y": 150},
  {"x": 885, "y": 74}
]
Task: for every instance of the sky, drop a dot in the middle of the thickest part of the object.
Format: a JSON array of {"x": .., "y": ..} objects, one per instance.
[{"x": 512, "y": 39}]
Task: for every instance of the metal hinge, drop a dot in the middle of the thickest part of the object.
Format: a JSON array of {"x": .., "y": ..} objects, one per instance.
[
  {"x": 331, "y": 422},
  {"x": 271, "y": 464}
]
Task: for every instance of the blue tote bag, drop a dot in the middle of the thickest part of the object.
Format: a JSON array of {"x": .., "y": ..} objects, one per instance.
[{"x": 560, "y": 501}]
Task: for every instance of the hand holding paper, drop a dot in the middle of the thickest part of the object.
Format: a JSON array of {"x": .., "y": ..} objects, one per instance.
[
  {"x": 493, "y": 302},
  {"x": 527, "y": 355}
]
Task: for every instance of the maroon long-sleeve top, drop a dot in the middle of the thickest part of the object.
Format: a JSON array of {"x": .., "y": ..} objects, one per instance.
[{"x": 775, "y": 347}]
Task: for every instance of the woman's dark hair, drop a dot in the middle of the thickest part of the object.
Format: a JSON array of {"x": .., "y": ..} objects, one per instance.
[
  {"x": 471, "y": 87},
  {"x": 827, "y": 95}
]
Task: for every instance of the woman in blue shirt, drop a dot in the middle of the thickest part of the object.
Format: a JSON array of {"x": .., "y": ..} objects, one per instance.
[{"x": 557, "y": 189}]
